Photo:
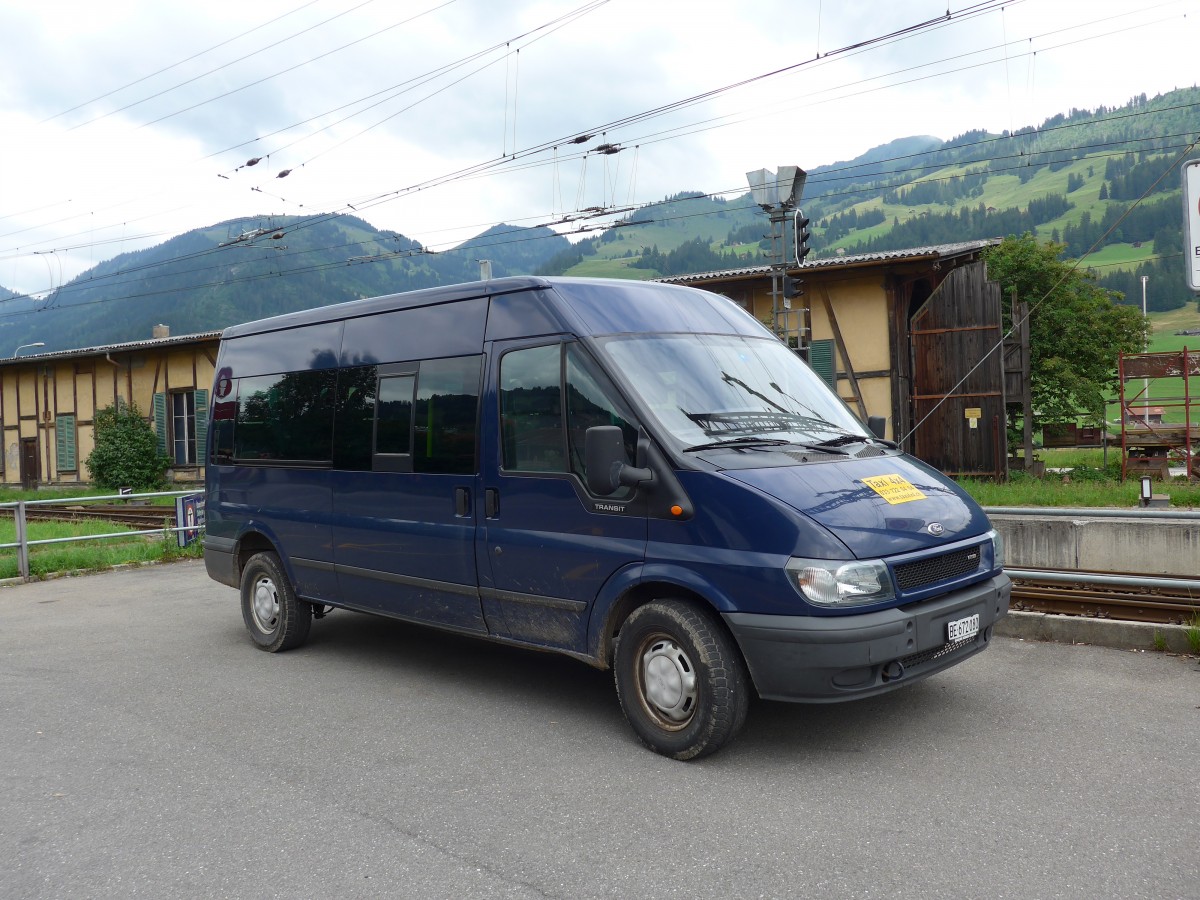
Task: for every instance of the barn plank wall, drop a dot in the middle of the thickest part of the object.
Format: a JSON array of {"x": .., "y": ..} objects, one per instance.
[{"x": 958, "y": 376}]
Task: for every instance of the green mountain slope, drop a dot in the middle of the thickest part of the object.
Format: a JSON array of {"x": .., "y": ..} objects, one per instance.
[
  {"x": 246, "y": 269},
  {"x": 1069, "y": 180}
]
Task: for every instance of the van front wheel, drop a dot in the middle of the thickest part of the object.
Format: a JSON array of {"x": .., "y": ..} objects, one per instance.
[
  {"x": 680, "y": 679},
  {"x": 274, "y": 616}
]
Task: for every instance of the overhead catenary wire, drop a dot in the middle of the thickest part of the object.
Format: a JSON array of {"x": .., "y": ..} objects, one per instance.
[
  {"x": 732, "y": 191},
  {"x": 830, "y": 173},
  {"x": 325, "y": 217},
  {"x": 550, "y": 25},
  {"x": 298, "y": 65},
  {"x": 939, "y": 22},
  {"x": 188, "y": 59}
]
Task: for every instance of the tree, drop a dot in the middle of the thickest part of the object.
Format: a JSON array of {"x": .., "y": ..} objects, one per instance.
[
  {"x": 1076, "y": 328},
  {"x": 126, "y": 452}
]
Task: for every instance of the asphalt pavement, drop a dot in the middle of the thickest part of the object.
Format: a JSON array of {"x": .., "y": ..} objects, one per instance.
[{"x": 149, "y": 750}]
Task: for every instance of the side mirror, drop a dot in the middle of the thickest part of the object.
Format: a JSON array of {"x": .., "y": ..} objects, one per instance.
[
  {"x": 607, "y": 466},
  {"x": 877, "y": 425}
]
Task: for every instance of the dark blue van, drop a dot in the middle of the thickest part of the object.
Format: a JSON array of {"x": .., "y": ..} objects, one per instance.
[{"x": 637, "y": 475}]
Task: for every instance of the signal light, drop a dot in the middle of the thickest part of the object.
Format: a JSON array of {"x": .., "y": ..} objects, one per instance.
[
  {"x": 792, "y": 287},
  {"x": 803, "y": 236}
]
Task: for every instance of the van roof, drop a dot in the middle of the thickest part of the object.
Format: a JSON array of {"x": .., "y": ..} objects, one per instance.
[
  {"x": 370, "y": 305},
  {"x": 427, "y": 297}
]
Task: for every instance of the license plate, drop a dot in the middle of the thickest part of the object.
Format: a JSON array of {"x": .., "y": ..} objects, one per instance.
[{"x": 961, "y": 629}]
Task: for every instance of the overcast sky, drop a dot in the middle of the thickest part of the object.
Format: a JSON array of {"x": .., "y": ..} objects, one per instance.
[{"x": 127, "y": 122}]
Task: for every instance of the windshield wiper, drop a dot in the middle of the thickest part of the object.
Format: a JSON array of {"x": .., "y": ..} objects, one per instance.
[
  {"x": 739, "y": 442},
  {"x": 843, "y": 439}
]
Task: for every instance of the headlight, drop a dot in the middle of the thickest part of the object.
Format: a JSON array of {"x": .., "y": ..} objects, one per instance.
[
  {"x": 997, "y": 548},
  {"x": 831, "y": 582}
]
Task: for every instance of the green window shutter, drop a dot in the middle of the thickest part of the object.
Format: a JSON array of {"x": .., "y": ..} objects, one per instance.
[
  {"x": 64, "y": 431},
  {"x": 202, "y": 427},
  {"x": 160, "y": 422},
  {"x": 820, "y": 357}
]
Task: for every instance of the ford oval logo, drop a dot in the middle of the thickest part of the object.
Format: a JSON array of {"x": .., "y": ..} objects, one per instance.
[{"x": 935, "y": 528}]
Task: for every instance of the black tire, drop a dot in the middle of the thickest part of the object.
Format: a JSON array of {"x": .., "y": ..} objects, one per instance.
[
  {"x": 274, "y": 616},
  {"x": 680, "y": 679}
]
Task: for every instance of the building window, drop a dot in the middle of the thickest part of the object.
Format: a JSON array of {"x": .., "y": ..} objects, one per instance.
[
  {"x": 821, "y": 358},
  {"x": 183, "y": 428},
  {"x": 181, "y": 420},
  {"x": 64, "y": 433}
]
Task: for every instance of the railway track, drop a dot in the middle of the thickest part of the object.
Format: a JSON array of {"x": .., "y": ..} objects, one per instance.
[
  {"x": 1159, "y": 606},
  {"x": 141, "y": 517}
]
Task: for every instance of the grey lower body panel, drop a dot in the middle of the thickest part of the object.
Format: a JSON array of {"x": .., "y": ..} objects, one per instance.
[
  {"x": 219, "y": 560},
  {"x": 826, "y": 659}
]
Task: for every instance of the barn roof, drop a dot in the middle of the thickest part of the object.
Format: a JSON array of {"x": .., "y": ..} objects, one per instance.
[{"x": 882, "y": 257}]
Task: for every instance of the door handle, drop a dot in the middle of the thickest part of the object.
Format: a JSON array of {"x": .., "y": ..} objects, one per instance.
[
  {"x": 491, "y": 503},
  {"x": 462, "y": 501}
]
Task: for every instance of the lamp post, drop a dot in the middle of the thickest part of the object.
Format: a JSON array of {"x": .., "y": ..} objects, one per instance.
[
  {"x": 778, "y": 193},
  {"x": 1145, "y": 347},
  {"x": 23, "y": 346}
]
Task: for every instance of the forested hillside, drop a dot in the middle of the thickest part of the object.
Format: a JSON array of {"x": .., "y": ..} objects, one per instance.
[
  {"x": 1074, "y": 179},
  {"x": 1104, "y": 183},
  {"x": 251, "y": 268}
]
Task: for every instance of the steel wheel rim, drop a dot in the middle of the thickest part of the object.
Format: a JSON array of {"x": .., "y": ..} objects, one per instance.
[
  {"x": 666, "y": 681},
  {"x": 264, "y": 605}
]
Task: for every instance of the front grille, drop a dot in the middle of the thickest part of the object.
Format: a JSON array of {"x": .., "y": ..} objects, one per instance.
[
  {"x": 927, "y": 656},
  {"x": 919, "y": 573}
]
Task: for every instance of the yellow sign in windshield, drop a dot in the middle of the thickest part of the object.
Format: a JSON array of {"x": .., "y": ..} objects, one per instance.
[{"x": 893, "y": 488}]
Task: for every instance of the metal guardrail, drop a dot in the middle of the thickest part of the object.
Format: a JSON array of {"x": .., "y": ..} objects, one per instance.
[
  {"x": 22, "y": 543},
  {"x": 1094, "y": 512},
  {"x": 1107, "y": 579}
]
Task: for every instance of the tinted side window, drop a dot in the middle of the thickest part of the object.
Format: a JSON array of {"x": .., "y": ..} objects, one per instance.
[
  {"x": 531, "y": 431},
  {"x": 355, "y": 418},
  {"x": 592, "y": 400},
  {"x": 285, "y": 417},
  {"x": 446, "y": 415},
  {"x": 392, "y": 431},
  {"x": 221, "y": 431}
]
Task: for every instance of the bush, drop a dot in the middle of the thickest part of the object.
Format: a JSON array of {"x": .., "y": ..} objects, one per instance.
[{"x": 126, "y": 452}]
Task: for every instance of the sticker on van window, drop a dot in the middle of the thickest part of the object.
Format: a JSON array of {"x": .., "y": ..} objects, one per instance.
[{"x": 893, "y": 488}]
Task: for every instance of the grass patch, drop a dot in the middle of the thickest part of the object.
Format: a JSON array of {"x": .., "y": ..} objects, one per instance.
[
  {"x": 87, "y": 555},
  {"x": 1124, "y": 256},
  {"x": 595, "y": 267},
  {"x": 1193, "y": 633}
]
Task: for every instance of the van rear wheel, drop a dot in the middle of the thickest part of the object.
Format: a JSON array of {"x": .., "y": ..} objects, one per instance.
[
  {"x": 275, "y": 617},
  {"x": 680, "y": 679}
]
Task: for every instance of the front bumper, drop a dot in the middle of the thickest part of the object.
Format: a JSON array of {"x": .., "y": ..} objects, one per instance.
[{"x": 826, "y": 659}]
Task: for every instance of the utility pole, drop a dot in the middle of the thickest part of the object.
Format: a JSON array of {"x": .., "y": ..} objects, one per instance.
[
  {"x": 779, "y": 193},
  {"x": 1145, "y": 347}
]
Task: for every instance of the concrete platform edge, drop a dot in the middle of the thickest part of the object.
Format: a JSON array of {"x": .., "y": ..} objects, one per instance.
[{"x": 1033, "y": 626}]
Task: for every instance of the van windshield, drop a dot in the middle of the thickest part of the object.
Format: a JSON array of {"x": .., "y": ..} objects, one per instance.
[{"x": 715, "y": 389}]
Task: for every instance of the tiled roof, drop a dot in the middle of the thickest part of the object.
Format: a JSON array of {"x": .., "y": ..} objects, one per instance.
[
  {"x": 937, "y": 251},
  {"x": 151, "y": 344}
]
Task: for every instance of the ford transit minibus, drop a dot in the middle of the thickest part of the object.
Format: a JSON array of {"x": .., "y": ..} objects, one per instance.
[{"x": 638, "y": 475}]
